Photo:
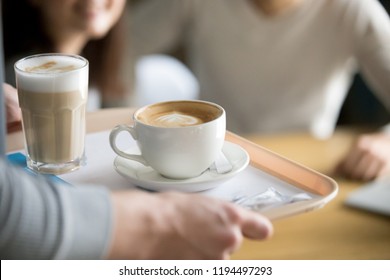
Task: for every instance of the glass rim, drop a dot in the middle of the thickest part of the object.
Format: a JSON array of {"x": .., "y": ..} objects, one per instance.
[{"x": 75, "y": 56}]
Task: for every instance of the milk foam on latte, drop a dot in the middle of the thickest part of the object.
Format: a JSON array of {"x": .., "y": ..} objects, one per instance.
[
  {"x": 176, "y": 119},
  {"x": 178, "y": 114},
  {"x": 45, "y": 72}
]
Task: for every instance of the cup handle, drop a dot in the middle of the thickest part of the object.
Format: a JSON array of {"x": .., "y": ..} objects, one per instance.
[{"x": 114, "y": 133}]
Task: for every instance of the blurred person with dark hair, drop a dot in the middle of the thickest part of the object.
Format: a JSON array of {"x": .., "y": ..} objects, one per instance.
[{"x": 93, "y": 29}]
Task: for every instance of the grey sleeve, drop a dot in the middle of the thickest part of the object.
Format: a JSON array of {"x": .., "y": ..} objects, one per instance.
[{"x": 43, "y": 220}]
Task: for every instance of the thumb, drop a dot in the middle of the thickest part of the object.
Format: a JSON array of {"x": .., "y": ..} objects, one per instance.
[{"x": 256, "y": 226}]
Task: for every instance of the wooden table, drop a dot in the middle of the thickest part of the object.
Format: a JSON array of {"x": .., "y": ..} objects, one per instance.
[{"x": 334, "y": 232}]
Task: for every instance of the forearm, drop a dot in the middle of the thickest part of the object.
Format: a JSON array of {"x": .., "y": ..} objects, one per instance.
[{"x": 41, "y": 220}]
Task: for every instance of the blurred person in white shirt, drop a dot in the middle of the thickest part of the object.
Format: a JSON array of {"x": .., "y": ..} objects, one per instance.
[{"x": 278, "y": 65}]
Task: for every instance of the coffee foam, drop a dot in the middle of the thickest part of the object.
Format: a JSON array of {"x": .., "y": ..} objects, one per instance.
[
  {"x": 51, "y": 74},
  {"x": 176, "y": 119},
  {"x": 178, "y": 113}
]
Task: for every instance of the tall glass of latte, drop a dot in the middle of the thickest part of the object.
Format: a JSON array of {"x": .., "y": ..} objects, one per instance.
[{"x": 52, "y": 90}]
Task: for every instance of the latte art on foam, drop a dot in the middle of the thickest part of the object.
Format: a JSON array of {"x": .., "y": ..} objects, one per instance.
[
  {"x": 39, "y": 73},
  {"x": 175, "y": 119},
  {"x": 50, "y": 67},
  {"x": 175, "y": 114}
]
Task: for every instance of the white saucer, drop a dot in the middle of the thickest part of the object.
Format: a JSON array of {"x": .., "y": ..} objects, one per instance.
[{"x": 147, "y": 178}]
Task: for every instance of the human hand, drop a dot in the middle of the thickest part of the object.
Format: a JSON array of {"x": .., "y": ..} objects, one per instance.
[
  {"x": 181, "y": 226},
  {"x": 13, "y": 113},
  {"x": 368, "y": 158}
]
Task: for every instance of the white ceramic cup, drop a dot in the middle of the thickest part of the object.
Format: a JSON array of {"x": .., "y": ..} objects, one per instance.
[{"x": 179, "y": 139}]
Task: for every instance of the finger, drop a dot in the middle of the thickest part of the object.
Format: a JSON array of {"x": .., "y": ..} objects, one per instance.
[
  {"x": 359, "y": 167},
  {"x": 235, "y": 243},
  {"x": 365, "y": 168},
  {"x": 370, "y": 162},
  {"x": 384, "y": 170},
  {"x": 255, "y": 226},
  {"x": 356, "y": 160},
  {"x": 347, "y": 165},
  {"x": 13, "y": 127},
  {"x": 372, "y": 170}
]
